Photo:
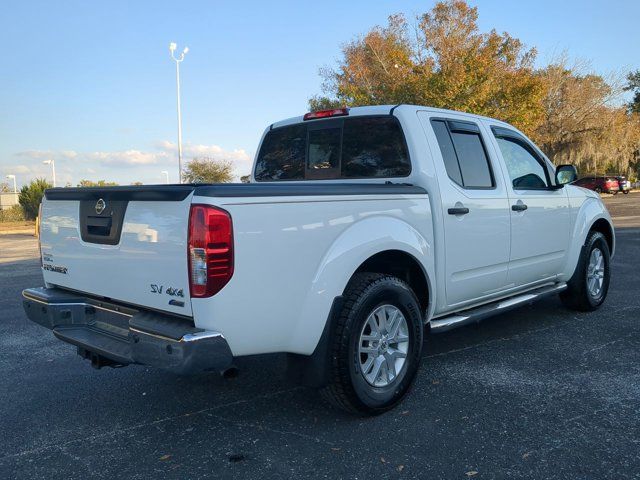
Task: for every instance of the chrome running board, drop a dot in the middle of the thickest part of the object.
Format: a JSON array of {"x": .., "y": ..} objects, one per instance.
[{"x": 474, "y": 315}]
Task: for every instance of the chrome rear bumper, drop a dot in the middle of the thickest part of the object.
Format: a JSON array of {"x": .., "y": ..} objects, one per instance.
[{"x": 110, "y": 334}]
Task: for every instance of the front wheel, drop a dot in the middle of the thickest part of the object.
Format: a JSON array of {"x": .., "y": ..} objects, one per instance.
[
  {"x": 589, "y": 284},
  {"x": 376, "y": 345},
  {"x": 625, "y": 192}
]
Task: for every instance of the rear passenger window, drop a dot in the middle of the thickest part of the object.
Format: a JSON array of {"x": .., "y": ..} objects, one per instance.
[
  {"x": 463, "y": 152},
  {"x": 448, "y": 153},
  {"x": 358, "y": 147}
]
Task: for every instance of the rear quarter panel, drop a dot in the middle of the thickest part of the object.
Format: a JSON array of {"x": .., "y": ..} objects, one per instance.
[{"x": 294, "y": 256}]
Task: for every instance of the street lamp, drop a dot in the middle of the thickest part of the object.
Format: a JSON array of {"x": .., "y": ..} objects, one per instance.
[
  {"x": 166, "y": 176},
  {"x": 15, "y": 187},
  {"x": 178, "y": 60},
  {"x": 53, "y": 169}
]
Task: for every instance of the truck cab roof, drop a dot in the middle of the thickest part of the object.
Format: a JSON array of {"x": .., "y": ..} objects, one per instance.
[{"x": 390, "y": 109}]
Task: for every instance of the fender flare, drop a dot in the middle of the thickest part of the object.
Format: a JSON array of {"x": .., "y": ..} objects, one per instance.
[
  {"x": 591, "y": 212},
  {"x": 359, "y": 242}
]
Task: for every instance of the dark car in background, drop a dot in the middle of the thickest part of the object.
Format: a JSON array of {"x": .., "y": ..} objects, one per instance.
[
  {"x": 601, "y": 184},
  {"x": 624, "y": 184}
]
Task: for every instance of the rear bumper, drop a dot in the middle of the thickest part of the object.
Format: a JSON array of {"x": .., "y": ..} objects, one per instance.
[{"x": 112, "y": 334}]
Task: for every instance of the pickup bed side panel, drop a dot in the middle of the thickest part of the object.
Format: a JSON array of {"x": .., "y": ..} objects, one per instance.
[{"x": 294, "y": 255}]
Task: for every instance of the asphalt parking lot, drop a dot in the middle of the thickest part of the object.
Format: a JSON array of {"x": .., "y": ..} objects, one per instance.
[{"x": 541, "y": 392}]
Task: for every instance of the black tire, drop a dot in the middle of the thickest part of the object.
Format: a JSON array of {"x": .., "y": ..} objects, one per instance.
[
  {"x": 348, "y": 389},
  {"x": 577, "y": 295},
  {"x": 625, "y": 191},
  {"x": 598, "y": 190}
]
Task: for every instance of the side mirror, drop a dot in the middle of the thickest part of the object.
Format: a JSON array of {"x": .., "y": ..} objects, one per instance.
[{"x": 566, "y": 174}]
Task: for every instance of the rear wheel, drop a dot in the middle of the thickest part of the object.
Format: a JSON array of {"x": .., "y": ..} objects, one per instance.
[
  {"x": 598, "y": 190},
  {"x": 625, "y": 191},
  {"x": 589, "y": 284},
  {"x": 376, "y": 346}
]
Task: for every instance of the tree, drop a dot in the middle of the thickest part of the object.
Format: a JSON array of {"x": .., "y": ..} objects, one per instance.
[
  {"x": 5, "y": 188},
  {"x": 245, "y": 178},
  {"x": 12, "y": 214},
  {"x": 633, "y": 86},
  {"x": 31, "y": 196},
  {"x": 442, "y": 61},
  {"x": 584, "y": 123},
  {"x": 99, "y": 183},
  {"x": 208, "y": 170}
]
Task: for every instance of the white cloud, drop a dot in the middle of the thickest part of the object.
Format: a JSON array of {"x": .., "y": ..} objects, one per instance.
[
  {"x": 128, "y": 158},
  {"x": 36, "y": 154},
  {"x": 22, "y": 169},
  {"x": 122, "y": 166}
]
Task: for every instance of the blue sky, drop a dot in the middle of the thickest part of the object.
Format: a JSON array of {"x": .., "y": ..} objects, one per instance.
[{"x": 91, "y": 85}]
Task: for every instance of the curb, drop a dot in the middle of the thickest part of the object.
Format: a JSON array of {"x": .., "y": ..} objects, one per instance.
[{"x": 18, "y": 231}]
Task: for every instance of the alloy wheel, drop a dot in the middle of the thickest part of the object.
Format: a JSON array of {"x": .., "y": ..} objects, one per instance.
[
  {"x": 595, "y": 273},
  {"x": 383, "y": 346}
]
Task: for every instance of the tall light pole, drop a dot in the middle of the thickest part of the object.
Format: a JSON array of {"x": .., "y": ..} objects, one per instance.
[
  {"x": 166, "y": 176},
  {"x": 15, "y": 187},
  {"x": 178, "y": 60},
  {"x": 53, "y": 169}
]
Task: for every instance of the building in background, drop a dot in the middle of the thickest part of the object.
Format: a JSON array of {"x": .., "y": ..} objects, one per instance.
[{"x": 8, "y": 200}]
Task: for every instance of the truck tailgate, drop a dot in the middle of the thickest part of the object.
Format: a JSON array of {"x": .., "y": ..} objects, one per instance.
[{"x": 121, "y": 243}]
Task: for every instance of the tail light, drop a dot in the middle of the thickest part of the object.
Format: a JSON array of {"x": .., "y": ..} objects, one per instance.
[
  {"x": 210, "y": 250},
  {"x": 39, "y": 232}
]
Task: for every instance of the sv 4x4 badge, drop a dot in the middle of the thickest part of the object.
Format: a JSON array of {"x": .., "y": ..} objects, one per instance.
[{"x": 173, "y": 292}]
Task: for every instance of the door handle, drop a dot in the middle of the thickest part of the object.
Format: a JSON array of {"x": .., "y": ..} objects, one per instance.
[
  {"x": 458, "y": 211},
  {"x": 519, "y": 207}
]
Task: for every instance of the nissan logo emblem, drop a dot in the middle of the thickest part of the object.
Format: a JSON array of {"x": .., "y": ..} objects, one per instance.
[{"x": 100, "y": 206}]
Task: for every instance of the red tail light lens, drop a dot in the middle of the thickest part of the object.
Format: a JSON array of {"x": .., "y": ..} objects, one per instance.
[
  {"x": 39, "y": 232},
  {"x": 210, "y": 250},
  {"x": 334, "y": 112}
]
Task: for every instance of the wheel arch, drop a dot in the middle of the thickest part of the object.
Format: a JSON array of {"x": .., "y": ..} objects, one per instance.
[
  {"x": 312, "y": 370},
  {"x": 603, "y": 226},
  {"x": 377, "y": 241},
  {"x": 381, "y": 242},
  {"x": 404, "y": 266}
]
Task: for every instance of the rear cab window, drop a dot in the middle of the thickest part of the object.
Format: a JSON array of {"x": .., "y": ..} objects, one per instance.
[{"x": 339, "y": 148}]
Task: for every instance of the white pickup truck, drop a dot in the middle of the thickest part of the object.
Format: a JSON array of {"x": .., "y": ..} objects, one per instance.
[{"x": 359, "y": 228}]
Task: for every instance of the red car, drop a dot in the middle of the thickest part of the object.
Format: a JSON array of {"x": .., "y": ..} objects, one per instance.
[{"x": 599, "y": 184}]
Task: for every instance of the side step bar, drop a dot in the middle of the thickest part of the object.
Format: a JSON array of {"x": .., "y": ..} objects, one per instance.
[{"x": 474, "y": 315}]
